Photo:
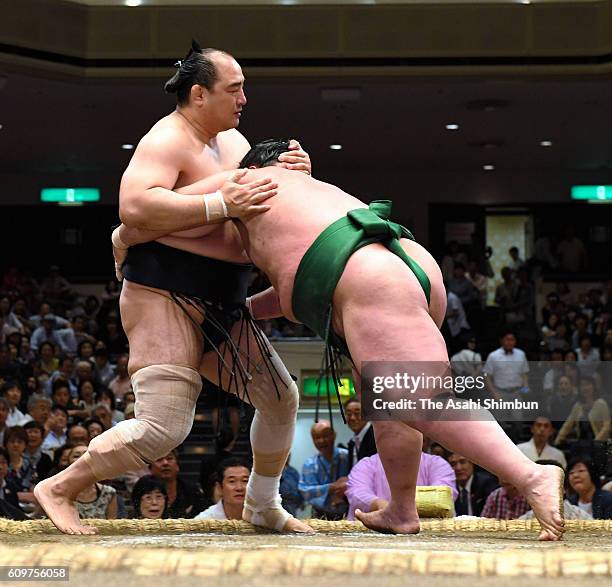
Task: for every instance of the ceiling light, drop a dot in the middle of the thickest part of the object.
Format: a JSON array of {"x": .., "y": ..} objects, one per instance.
[
  {"x": 488, "y": 167},
  {"x": 133, "y": 2},
  {"x": 525, "y": 1},
  {"x": 127, "y": 147},
  {"x": 1, "y": 126},
  {"x": 335, "y": 147},
  {"x": 452, "y": 126},
  {"x": 545, "y": 143}
]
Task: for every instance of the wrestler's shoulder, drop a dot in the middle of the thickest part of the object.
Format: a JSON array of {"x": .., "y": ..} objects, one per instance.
[
  {"x": 168, "y": 131},
  {"x": 234, "y": 138}
]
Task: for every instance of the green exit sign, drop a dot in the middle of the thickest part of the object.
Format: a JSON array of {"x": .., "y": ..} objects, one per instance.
[
  {"x": 592, "y": 193},
  {"x": 69, "y": 195},
  {"x": 310, "y": 385}
]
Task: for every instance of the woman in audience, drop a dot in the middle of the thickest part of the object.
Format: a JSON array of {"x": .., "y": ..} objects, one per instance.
[
  {"x": 97, "y": 501},
  {"x": 87, "y": 401},
  {"x": 94, "y": 427},
  {"x": 590, "y": 416},
  {"x": 150, "y": 498},
  {"x": 60, "y": 458},
  {"x": 107, "y": 397},
  {"x": 20, "y": 470},
  {"x": 586, "y": 484},
  {"x": 48, "y": 363}
]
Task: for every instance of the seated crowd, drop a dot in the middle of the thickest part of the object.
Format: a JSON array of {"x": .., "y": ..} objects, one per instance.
[{"x": 64, "y": 380}]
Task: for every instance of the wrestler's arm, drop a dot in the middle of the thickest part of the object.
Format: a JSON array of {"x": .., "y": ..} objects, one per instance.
[
  {"x": 147, "y": 200},
  {"x": 130, "y": 236},
  {"x": 265, "y": 305}
]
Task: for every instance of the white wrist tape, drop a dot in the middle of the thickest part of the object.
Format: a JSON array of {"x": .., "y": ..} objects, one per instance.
[
  {"x": 214, "y": 206},
  {"x": 116, "y": 240},
  {"x": 249, "y": 304}
]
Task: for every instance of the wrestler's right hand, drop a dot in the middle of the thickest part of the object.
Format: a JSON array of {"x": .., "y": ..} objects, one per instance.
[{"x": 245, "y": 199}]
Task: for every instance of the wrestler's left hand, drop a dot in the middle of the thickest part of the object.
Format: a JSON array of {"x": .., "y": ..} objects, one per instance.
[{"x": 296, "y": 158}]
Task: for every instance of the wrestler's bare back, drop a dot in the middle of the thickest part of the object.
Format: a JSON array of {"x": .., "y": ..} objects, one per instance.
[{"x": 277, "y": 240}]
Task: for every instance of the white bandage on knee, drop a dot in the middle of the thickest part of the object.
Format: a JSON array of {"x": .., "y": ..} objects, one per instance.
[
  {"x": 272, "y": 433},
  {"x": 166, "y": 398},
  {"x": 273, "y": 429},
  {"x": 214, "y": 206}
]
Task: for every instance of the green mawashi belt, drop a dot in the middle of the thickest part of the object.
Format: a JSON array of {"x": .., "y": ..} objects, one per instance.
[{"x": 321, "y": 267}]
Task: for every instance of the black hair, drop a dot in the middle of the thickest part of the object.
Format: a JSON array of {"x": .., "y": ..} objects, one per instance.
[
  {"x": 4, "y": 453},
  {"x": 590, "y": 466},
  {"x": 144, "y": 485},
  {"x": 351, "y": 400},
  {"x": 10, "y": 384},
  {"x": 34, "y": 424},
  {"x": 265, "y": 153},
  {"x": 110, "y": 395},
  {"x": 58, "y": 408},
  {"x": 231, "y": 462},
  {"x": 196, "y": 67},
  {"x": 59, "y": 383}
]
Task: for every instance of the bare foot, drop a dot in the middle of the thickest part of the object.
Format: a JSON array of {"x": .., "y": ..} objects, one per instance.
[
  {"x": 60, "y": 508},
  {"x": 389, "y": 521},
  {"x": 544, "y": 493},
  {"x": 274, "y": 517},
  {"x": 295, "y": 526}
]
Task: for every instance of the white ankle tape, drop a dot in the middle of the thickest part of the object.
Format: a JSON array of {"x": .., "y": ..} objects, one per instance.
[{"x": 273, "y": 516}]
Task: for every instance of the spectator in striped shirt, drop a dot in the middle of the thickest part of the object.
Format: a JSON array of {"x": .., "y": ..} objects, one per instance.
[{"x": 325, "y": 475}]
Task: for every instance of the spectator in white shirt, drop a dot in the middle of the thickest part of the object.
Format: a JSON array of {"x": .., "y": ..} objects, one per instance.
[
  {"x": 56, "y": 423},
  {"x": 467, "y": 361},
  {"x": 538, "y": 447},
  {"x": 232, "y": 477},
  {"x": 506, "y": 369},
  {"x": 12, "y": 393},
  {"x": 587, "y": 356}
]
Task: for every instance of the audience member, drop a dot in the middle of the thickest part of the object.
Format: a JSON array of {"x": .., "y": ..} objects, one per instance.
[
  {"x": 473, "y": 487},
  {"x": 368, "y": 489},
  {"x": 184, "y": 499},
  {"x": 9, "y": 490},
  {"x": 149, "y": 498},
  {"x": 363, "y": 443},
  {"x": 122, "y": 382},
  {"x": 33, "y": 453},
  {"x": 586, "y": 485},
  {"x": 589, "y": 418},
  {"x": 505, "y": 503},
  {"x": 98, "y": 500},
  {"x": 77, "y": 434},
  {"x": 233, "y": 476},
  {"x": 39, "y": 408},
  {"x": 56, "y": 426},
  {"x": 94, "y": 427},
  {"x": 11, "y": 391},
  {"x": 538, "y": 446},
  {"x": 20, "y": 471},
  {"x": 324, "y": 475}
]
